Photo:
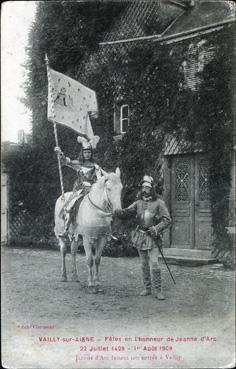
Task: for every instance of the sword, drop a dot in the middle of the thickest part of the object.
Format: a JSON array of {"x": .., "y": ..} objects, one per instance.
[{"x": 163, "y": 257}]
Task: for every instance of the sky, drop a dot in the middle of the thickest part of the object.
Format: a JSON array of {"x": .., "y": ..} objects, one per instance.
[{"x": 17, "y": 16}]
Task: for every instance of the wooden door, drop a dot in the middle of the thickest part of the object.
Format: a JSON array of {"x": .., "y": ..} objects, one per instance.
[
  {"x": 182, "y": 206},
  {"x": 190, "y": 205},
  {"x": 203, "y": 228}
]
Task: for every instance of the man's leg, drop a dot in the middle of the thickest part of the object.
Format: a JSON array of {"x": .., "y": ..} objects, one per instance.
[
  {"x": 145, "y": 273},
  {"x": 156, "y": 274},
  {"x": 67, "y": 212}
]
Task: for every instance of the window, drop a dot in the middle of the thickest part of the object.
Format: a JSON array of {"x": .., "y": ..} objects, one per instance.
[
  {"x": 124, "y": 118},
  {"x": 121, "y": 118}
]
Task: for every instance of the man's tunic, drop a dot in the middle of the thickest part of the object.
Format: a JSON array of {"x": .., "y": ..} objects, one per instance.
[{"x": 148, "y": 213}]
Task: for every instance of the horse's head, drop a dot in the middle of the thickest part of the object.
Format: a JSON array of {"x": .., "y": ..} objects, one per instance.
[{"x": 111, "y": 186}]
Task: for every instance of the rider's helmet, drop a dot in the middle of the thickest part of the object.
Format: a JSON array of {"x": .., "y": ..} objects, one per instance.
[{"x": 86, "y": 145}]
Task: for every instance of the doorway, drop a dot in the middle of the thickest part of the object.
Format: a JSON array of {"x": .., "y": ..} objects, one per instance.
[{"x": 190, "y": 202}]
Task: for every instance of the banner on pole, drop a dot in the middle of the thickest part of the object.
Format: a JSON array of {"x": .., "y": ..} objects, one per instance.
[{"x": 70, "y": 102}]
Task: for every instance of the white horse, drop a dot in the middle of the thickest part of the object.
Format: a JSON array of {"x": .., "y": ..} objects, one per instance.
[{"x": 93, "y": 223}]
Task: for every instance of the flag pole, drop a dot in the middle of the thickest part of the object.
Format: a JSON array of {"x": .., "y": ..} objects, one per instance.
[{"x": 55, "y": 128}]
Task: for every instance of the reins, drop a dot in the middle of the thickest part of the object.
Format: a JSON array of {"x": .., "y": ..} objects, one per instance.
[{"x": 98, "y": 207}]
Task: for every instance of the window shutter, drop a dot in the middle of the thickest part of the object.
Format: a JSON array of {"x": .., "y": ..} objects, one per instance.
[{"x": 116, "y": 119}]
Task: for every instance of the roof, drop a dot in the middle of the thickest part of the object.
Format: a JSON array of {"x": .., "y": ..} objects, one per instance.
[
  {"x": 139, "y": 18},
  {"x": 168, "y": 18},
  {"x": 143, "y": 18},
  {"x": 175, "y": 145},
  {"x": 203, "y": 14},
  {"x": 150, "y": 18}
]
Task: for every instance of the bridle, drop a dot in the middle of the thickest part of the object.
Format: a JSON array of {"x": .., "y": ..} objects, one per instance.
[{"x": 108, "y": 201}]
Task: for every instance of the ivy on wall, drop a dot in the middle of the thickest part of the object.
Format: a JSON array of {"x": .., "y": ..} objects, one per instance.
[
  {"x": 162, "y": 100},
  {"x": 131, "y": 77},
  {"x": 213, "y": 125}
]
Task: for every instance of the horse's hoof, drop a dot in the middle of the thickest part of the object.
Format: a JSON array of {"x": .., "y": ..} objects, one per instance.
[
  {"x": 63, "y": 279},
  {"x": 92, "y": 290}
]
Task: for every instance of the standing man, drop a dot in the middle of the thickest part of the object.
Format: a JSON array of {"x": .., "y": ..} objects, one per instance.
[{"x": 153, "y": 218}]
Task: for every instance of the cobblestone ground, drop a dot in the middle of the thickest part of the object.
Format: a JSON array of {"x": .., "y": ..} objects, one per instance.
[{"x": 201, "y": 302}]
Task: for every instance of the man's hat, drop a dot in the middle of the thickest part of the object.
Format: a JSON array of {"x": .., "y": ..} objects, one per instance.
[{"x": 147, "y": 181}]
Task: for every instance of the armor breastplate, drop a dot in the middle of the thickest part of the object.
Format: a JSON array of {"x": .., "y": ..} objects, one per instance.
[
  {"x": 87, "y": 175},
  {"x": 145, "y": 217}
]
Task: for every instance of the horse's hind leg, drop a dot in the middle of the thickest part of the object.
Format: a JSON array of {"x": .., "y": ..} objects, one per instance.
[
  {"x": 74, "y": 248},
  {"x": 63, "y": 260}
]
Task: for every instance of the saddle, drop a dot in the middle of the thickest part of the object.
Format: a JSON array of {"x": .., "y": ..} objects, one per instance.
[
  {"x": 72, "y": 204},
  {"x": 75, "y": 209}
]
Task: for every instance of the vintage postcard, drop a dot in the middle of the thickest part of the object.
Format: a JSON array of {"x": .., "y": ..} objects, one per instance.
[{"x": 118, "y": 184}]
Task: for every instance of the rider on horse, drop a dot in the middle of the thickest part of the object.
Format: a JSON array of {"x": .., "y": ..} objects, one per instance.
[{"x": 88, "y": 172}]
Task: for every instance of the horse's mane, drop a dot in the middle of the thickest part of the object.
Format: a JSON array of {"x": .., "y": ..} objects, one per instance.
[{"x": 108, "y": 176}]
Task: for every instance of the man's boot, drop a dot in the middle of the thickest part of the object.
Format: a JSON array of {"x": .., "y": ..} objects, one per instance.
[
  {"x": 146, "y": 276},
  {"x": 156, "y": 283}
]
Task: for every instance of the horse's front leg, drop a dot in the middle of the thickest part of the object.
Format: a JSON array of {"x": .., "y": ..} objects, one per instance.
[
  {"x": 99, "y": 248},
  {"x": 74, "y": 249},
  {"x": 89, "y": 257},
  {"x": 63, "y": 260}
]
